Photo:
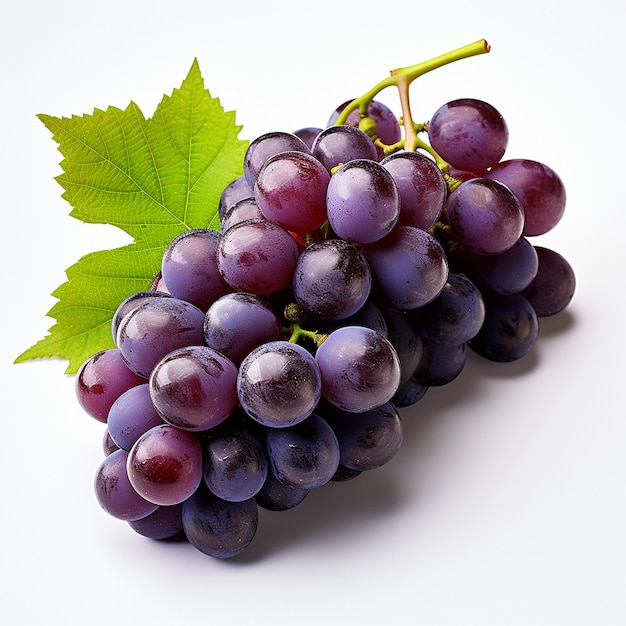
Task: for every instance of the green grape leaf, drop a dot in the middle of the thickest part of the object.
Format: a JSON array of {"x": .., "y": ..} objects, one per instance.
[{"x": 151, "y": 177}]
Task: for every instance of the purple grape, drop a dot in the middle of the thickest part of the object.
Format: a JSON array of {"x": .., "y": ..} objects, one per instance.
[
  {"x": 291, "y": 191},
  {"x": 237, "y": 190},
  {"x": 407, "y": 343},
  {"x": 421, "y": 186},
  {"x": 101, "y": 380},
  {"x": 409, "y": 394},
  {"x": 409, "y": 267},
  {"x": 275, "y": 495},
  {"x": 165, "y": 465},
  {"x": 362, "y": 201},
  {"x": 505, "y": 273},
  {"x": 166, "y": 522},
  {"x": 308, "y": 134},
  {"x": 114, "y": 492},
  {"x": 332, "y": 280},
  {"x": 238, "y": 322},
  {"x": 510, "y": 329},
  {"x": 265, "y": 147},
  {"x": 484, "y": 216},
  {"x": 246, "y": 209},
  {"x": 337, "y": 145},
  {"x": 387, "y": 127},
  {"x": 469, "y": 134},
  {"x": 155, "y": 328},
  {"x": 279, "y": 384},
  {"x": 366, "y": 440},
  {"x": 257, "y": 256},
  {"x": 218, "y": 528},
  {"x": 189, "y": 268},
  {"x": 440, "y": 364},
  {"x": 131, "y": 415},
  {"x": 552, "y": 289},
  {"x": 194, "y": 388},
  {"x": 454, "y": 316},
  {"x": 129, "y": 304},
  {"x": 360, "y": 369},
  {"x": 306, "y": 455},
  {"x": 235, "y": 464},
  {"x": 538, "y": 188},
  {"x": 108, "y": 445}
]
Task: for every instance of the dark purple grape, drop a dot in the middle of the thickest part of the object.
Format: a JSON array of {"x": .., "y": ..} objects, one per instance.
[
  {"x": 265, "y": 147},
  {"x": 421, "y": 187},
  {"x": 308, "y": 134},
  {"x": 405, "y": 340},
  {"x": 194, "y": 388},
  {"x": 189, "y": 268},
  {"x": 469, "y": 134},
  {"x": 238, "y": 322},
  {"x": 306, "y": 455},
  {"x": 246, "y": 209},
  {"x": 510, "y": 329},
  {"x": 553, "y": 287},
  {"x": 275, "y": 495},
  {"x": 538, "y": 188},
  {"x": 440, "y": 364},
  {"x": 279, "y": 384},
  {"x": 129, "y": 304},
  {"x": 337, "y": 145},
  {"x": 114, "y": 491},
  {"x": 164, "y": 523},
  {"x": 484, "y": 216},
  {"x": 409, "y": 394},
  {"x": 332, "y": 280},
  {"x": 237, "y": 190},
  {"x": 218, "y": 528},
  {"x": 409, "y": 267},
  {"x": 360, "y": 368}
]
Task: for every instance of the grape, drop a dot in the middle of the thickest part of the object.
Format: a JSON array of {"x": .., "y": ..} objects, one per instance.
[
  {"x": 421, "y": 187},
  {"x": 128, "y": 304},
  {"x": 238, "y": 322},
  {"x": 306, "y": 455},
  {"x": 362, "y": 201},
  {"x": 387, "y": 127},
  {"x": 219, "y": 528},
  {"x": 469, "y": 134},
  {"x": 484, "y": 216},
  {"x": 291, "y": 191},
  {"x": 165, "y": 465},
  {"x": 505, "y": 273},
  {"x": 101, "y": 379},
  {"x": 440, "y": 365},
  {"x": 407, "y": 343},
  {"x": 337, "y": 145},
  {"x": 538, "y": 188},
  {"x": 194, "y": 388},
  {"x": 279, "y": 384},
  {"x": 257, "y": 256},
  {"x": 367, "y": 440},
  {"x": 267, "y": 146},
  {"x": 308, "y": 134},
  {"x": 552, "y": 289},
  {"x": 409, "y": 267},
  {"x": 131, "y": 415},
  {"x": 454, "y": 316},
  {"x": 108, "y": 445},
  {"x": 510, "y": 329},
  {"x": 164, "y": 523},
  {"x": 275, "y": 495},
  {"x": 242, "y": 210},
  {"x": 114, "y": 492},
  {"x": 409, "y": 394},
  {"x": 332, "y": 279},
  {"x": 360, "y": 369},
  {"x": 155, "y": 328},
  {"x": 235, "y": 466},
  {"x": 237, "y": 190},
  {"x": 189, "y": 268}
]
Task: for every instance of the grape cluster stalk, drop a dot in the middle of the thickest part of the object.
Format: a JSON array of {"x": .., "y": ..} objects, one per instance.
[{"x": 356, "y": 267}]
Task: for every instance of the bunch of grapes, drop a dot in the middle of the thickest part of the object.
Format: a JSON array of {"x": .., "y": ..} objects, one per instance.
[{"x": 349, "y": 276}]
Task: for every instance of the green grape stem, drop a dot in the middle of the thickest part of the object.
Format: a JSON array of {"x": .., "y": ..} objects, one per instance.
[{"x": 402, "y": 78}]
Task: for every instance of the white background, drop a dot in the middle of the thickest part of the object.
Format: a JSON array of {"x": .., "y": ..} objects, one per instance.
[{"x": 507, "y": 502}]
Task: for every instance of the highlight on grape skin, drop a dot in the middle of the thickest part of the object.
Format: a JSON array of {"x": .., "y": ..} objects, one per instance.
[{"x": 356, "y": 267}]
